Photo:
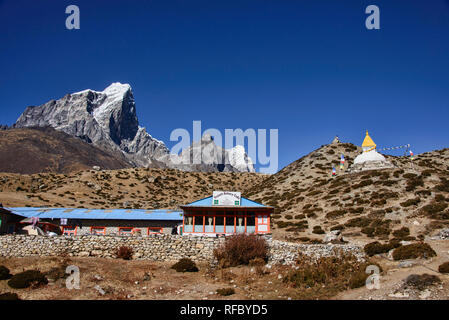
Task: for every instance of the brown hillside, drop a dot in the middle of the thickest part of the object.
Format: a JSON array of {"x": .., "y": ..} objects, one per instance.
[
  {"x": 126, "y": 188},
  {"x": 34, "y": 150},
  {"x": 371, "y": 204}
]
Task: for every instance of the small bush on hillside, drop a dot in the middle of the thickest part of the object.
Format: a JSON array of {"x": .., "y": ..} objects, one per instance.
[
  {"x": 434, "y": 209},
  {"x": 410, "y": 202},
  {"x": 444, "y": 185},
  {"x": 327, "y": 276},
  {"x": 421, "y": 281},
  {"x": 241, "y": 249},
  {"x": 225, "y": 291},
  {"x": 410, "y": 175},
  {"x": 401, "y": 233},
  {"x": 335, "y": 214},
  {"x": 9, "y": 296},
  {"x": 185, "y": 265},
  {"x": 4, "y": 273},
  {"x": 444, "y": 268},
  {"x": 413, "y": 183},
  {"x": 363, "y": 183},
  {"x": 124, "y": 253},
  {"x": 376, "y": 247},
  {"x": 283, "y": 224},
  {"x": 26, "y": 279},
  {"x": 358, "y": 222},
  {"x": 413, "y": 251},
  {"x": 318, "y": 230},
  {"x": 356, "y": 210}
]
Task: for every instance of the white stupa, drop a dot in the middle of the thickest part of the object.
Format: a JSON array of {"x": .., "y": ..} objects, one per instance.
[{"x": 370, "y": 159}]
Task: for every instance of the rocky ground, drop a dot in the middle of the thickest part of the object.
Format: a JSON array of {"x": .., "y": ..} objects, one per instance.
[
  {"x": 392, "y": 279},
  {"x": 121, "y": 279},
  {"x": 102, "y": 278}
]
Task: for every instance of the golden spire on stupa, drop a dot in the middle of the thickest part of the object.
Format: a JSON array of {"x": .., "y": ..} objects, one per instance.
[{"x": 368, "y": 143}]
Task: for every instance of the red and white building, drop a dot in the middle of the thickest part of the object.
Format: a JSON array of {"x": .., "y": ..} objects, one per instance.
[{"x": 226, "y": 213}]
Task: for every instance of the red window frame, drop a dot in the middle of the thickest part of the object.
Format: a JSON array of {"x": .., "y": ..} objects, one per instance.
[
  {"x": 97, "y": 228},
  {"x": 69, "y": 231},
  {"x": 265, "y": 222},
  {"x": 150, "y": 230},
  {"x": 130, "y": 233}
]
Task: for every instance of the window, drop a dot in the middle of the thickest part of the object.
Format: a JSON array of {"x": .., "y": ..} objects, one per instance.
[
  {"x": 219, "y": 224},
  {"x": 125, "y": 231},
  {"x": 199, "y": 224},
  {"x": 154, "y": 230},
  {"x": 188, "y": 224},
  {"x": 250, "y": 224},
  {"x": 262, "y": 223},
  {"x": 69, "y": 230},
  {"x": 230, "y": 224},
  {"x": 98, "y": 230}
]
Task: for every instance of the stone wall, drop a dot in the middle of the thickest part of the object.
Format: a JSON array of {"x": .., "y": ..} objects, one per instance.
[{"x": 159, "y": 247}]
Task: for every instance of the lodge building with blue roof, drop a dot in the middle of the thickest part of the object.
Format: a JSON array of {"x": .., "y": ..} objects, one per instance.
[{"x": 224, "y": 213}]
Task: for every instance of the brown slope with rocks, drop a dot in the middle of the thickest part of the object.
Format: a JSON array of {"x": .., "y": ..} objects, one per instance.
[
  {"x": 407, "y": 202},
  {"x": 127, "y": 188},
  {"x": 34, "y": 150}
]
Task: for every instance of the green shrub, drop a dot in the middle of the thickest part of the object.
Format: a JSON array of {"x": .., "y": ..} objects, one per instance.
[
  {"x": 414, "y": 251},
  {"x": 444, "y": 268},
  {"x": 185, "y": 265},
  {"x": 240, "y": 249},
  {"x": 225, "y": 291},
  {"x": 4, "y": 273},
  {"x": 26, "y": 279}
]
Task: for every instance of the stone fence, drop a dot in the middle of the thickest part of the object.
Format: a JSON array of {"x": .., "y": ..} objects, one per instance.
[{"x": 158, "y": 247}]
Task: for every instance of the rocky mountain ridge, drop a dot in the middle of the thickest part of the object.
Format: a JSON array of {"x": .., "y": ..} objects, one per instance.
[{"x": 108, "y": 120}]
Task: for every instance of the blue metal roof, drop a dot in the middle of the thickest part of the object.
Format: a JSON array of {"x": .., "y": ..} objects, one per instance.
[
  {"x": 207, "y": 202},
  {"x": 100, "y": 214}
]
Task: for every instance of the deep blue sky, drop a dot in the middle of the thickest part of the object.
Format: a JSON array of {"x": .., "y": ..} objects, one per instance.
[{"x": 308, "y": 68}]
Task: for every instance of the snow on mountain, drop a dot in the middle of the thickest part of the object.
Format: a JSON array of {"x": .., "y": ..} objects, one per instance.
[
  {"x": 240, "y": 160},
  {"x": 108, "y": 120}
]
